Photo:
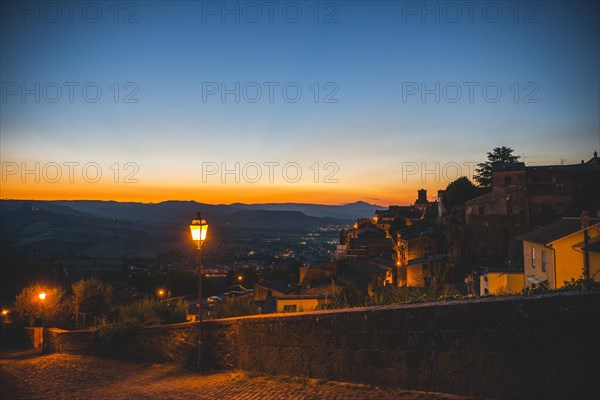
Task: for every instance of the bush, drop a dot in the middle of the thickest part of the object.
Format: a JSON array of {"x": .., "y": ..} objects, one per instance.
[
  {"x": 92, "y": 297},
  {"x": 171, "y": 312},
  {"x": 152, "y": 312},
  {"x": 581, "y": 285},
  {"x": 234, "y": 307},
  {"x": 388, "y": 295},
  {"x": 350, "y": 296}
]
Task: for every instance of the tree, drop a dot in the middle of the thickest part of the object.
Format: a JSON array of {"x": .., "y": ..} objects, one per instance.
[
  {"x": 500, "y": 155},
  {"x": 92, "y": 297},
  {"x": 458, "y": 192},
  {"x": 439, "y": 277},
  {"x": 30, "y": 309}
]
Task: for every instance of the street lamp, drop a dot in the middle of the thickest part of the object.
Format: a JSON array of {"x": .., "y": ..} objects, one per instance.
[
  {"x": 198, "y": 229},
  {"x": 42, "y": 296},
  {"x": 4, "y": 322},
  {"x": 161, "y": 293}
]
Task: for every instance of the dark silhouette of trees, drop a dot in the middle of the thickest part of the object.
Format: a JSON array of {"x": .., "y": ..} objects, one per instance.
[
  {"x": 459, "y": 191},
  {"x": 500, "y": 155}
]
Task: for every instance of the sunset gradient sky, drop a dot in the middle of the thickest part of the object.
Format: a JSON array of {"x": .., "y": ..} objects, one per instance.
[{"x": 544, "y": 56}]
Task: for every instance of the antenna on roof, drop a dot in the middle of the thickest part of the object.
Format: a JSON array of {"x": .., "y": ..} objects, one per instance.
[{"x": 562, "y": 161}]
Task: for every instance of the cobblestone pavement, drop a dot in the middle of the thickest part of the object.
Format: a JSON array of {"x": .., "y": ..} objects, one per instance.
[{"x": 61, "y": 376}]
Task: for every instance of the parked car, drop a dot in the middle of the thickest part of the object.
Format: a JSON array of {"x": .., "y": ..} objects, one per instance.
[
  {"x": 214, "y": 299},
  {"x": 233, "y": 293}
]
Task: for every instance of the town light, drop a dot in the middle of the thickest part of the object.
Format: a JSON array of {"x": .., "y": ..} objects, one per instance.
[
  {"x": 240, "y": 278},
  {"x": 42, "y": 295},
  {"x": 161, "y": 292},
  {"x": 198, "y": 228},
  {"x": 4, "y": 312}
]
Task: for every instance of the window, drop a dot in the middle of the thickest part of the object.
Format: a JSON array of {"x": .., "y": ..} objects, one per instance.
[
  {"x": 507, "y": 180},
  {"x": 533, "y": 257},
  {"x": 543, "y": 257},
  {"x": 289, "y": 308}
]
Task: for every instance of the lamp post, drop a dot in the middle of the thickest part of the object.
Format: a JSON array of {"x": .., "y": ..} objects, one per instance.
[
  {"x": 42, "y": 296},
  {"x": 198, "y": 229},
  {"x": 4, "y": 323}
]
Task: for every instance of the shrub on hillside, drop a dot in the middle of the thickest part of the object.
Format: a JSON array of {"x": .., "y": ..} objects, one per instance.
[
  {"x": 234, "y": 307},
  {"x": 152, "y": 312}
]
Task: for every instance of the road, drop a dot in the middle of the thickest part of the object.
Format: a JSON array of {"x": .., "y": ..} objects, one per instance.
[{"x": 59, "y": 376}]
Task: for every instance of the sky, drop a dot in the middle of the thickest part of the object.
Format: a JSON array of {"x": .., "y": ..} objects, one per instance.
[{"x": 317, "y": 102}]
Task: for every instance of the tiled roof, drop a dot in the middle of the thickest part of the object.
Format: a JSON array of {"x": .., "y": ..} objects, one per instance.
[
  {"x": 554, "y": 231},
  {"x": 304, "y": 296},
  {"x": 565, "y": 168},
  {"x": 279, "y": 285},
  {"x": 433, "y": 257}
]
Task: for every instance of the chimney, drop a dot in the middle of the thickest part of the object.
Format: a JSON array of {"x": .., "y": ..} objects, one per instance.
[{"x": 585, "y": 220}]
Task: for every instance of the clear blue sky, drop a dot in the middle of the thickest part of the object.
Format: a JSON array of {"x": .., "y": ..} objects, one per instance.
[{"x": 369, "y": 51}]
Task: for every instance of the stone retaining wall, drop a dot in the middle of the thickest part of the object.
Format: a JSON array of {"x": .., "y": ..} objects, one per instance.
[{"x": 544, "y": 346}]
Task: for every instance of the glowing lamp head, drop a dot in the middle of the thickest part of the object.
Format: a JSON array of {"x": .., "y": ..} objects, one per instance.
[
  {"x": 42, "y": 296},
  {"x": 198, "y": 228},
  {"x": 4, "y": 312},
  {"x": 161, "y": 292},
  {"x": 240, "y": 278}
]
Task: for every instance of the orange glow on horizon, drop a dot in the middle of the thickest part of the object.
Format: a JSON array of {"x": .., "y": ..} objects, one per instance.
[{"x": 335, "y": 194}]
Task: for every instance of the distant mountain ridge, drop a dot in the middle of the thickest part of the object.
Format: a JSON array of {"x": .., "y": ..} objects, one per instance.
[
  {"x": 183, "y": 210},
  {"x": 101, "y": 230}
]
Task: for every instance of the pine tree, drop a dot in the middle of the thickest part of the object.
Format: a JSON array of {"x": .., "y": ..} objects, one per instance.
[{"x": 500, "y": 155}]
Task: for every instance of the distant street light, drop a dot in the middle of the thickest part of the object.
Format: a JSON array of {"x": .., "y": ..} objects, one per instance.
[
  {"x": 198, "y": 229},
  {"x": 240, "y": 278},
  {"x": 161, "y": 293},
  {"x": 42, "y": 295}
]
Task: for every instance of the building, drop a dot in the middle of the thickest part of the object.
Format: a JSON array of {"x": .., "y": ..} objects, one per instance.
[
  {"x": 501, "y": 283},
  {"x": 523, "y": 198},
  {"x": 267, "y": 290},
  {"x": 420, "y": 271},
  {"x": 365, "y": 240},
  {"x": 398, "y": 241},
  {"x": 560, "y": 251},
  {"x": 320, "y": 279},
  {"x": 331, "y": 278},
  {"x": 416, "y": 254},
  {"x": 302, "y": 303}
]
